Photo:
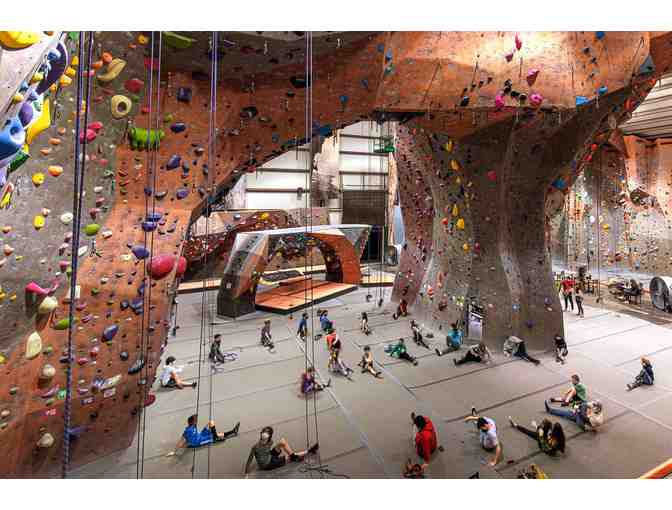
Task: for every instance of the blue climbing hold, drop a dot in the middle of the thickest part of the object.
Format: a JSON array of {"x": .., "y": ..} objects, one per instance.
[
  {"x": 381, "y": 47},
  {"x": 600, "y": 35},
  {"x": 173, "y": 162},
  {"x": 184, "y": 94},
  {"x": 181, "y": 193},
  {"x": 154, "y": 216},
  {"x": 140, "y": 252},
  {"x": 110, "y": 332},
  {"x": 365, "y": 83},
  {"x": 646, "y": 67},
  {"x": 26, "y": 113},
  {"x": 388, "y": 56},
  {"x": 343, "y": 99},
  {"x": 149, "y": 226},
  {"x": 12, "y": 138},
  {"x": 559, "y": 183},
  {"x": 178, "y": 127},
  {"x": 602, "y": 90},
  {"x": 581, "y": 100}
]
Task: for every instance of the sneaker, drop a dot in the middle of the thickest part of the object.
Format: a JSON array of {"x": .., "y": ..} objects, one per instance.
[
  {"x": 236, "y": 428},
  {"x": 438, "y": 352},
  {"x": 328, "y": 383},
  {"x": 194, "y": 384},
  {"x": 313, "y": 449},
  {"x": 473, "y": 411},
  {"x": 415, "y": 362},
  {"x": 629, "y": 387}
]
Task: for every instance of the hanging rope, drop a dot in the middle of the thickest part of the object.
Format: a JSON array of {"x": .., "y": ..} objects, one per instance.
[{"x": 77, "y": 201}]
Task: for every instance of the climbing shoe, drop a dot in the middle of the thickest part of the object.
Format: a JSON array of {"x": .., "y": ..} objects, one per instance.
[
  {"x": 236, "y": 428},
  {"x": 438, "y": 352},
  {"x": 313, "y": 449},
  {"x": 193, "y": 384}
]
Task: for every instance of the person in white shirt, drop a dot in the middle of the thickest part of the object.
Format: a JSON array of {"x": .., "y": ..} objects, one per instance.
[
  {"x": 169, "y": 377},
  {"x": 487, "y": 430}
]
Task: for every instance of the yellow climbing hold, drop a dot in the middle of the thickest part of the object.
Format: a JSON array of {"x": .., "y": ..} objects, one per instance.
[
  {"x": 55, "y": 170},
  {"x": 64, "y": 81},
  {"x": 460, "y": 224},
  {"x": 456, "y": 210},
  {"x": 465, "y": 247},
  {"x": 17, "y": 40},
  {"x": 113, "y": 69},
  {"x": 143, "y": 39},
  {"x": 38, "y": 179},
  {"x": 449, "y": 146},
  {"x": 39, "y": 221},
  {"x": 42, "y": 123},
  {"x": 37, "y": 77},
  {"x": 264, "y": 216},
  {"x": 71, "y": 72},
  {"x": 454, "y": 165},
  {"x": 47, "y": 305},
  {"x": 75, "y": 61},
  {"x": 33, "y": 345},
  {"x": 17, "y": 98}
]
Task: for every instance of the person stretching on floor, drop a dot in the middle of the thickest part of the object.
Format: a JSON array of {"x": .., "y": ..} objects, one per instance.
[
  {"x": 270, "y": 456},
  {"x": 216, "y": 355},
  {"x": 453, "y": 340},
  {"x": 367, "y": 363},
  {"x": 417, "y": 335},
  {"x": 478, "y": 353},
  {"x": 309, "y": 384},
  {"x": 169, "y": 377},
  {"x": 364, "y": 326},
  {"x": 586, "y": 414},
  {"x": 398, "y": 350},
  {"x": 644, "y": 377},
  {"x": 302, "y": 332},
  {"x": 560, "y": 349},
  {"x": 549, "y": 436},
  {"x": 192, "y": 438},
  {"x": 487, "y": 430},
  {"x": 266, "y": 340},
  {"x": 336, "y": 364},
  {"x": 576, "y": 394},
  {"x": 402, "y": 310},
  {"x": 425, "y": 440}
]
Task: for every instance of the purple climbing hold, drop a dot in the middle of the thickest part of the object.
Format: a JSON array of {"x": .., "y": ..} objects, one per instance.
[
  {"x": 140, "y": 252},
  {"x": 148, "y": 192},
  {"x": 26, "y": 113},
  {"x": 178, "y": 127},
  {"x": 124, "y": 304},
  {"x": 184, "y": 94},
  {"x": 149, "y": 226},
  {"x": 110, "y": 332},
  {"x": 182, "y": 193},
  {"x": 173, "y": 162},
  {"x": 154, "y": 216}
]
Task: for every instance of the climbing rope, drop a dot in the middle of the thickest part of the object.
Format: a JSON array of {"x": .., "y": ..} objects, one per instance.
[
  {"x": 150, "y": 184},
  {"x": 77, "y": 201}
]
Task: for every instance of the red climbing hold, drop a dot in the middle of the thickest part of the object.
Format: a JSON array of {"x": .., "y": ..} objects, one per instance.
[
  {"x": 492, "y": 175},
  {"x": 181, "y": 267},
  {"x": 519, "y": 42},
  {"x": 161, "y": 266},
  {"x": 134, "y": 85}
]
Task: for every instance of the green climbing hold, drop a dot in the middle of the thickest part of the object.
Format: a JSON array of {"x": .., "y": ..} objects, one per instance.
[
  {"x": 62, "y": 324},
  {"x": 145, "y": 139},
  {"x": 13, "y": 390},
  {"x": 177, "y": 41},
  {"x": 91, "y": 229},
  {"x": 73, "y": 35},
  {"x": 95, "y": 291}
]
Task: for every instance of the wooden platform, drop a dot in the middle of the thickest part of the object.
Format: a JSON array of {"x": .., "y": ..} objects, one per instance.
[
  {"x": 377, "y": 280},
  {"x": 294, "y": 296}
]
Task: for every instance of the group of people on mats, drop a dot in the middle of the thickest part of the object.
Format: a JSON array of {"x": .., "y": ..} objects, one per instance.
[{"x": 573, "y": 405}]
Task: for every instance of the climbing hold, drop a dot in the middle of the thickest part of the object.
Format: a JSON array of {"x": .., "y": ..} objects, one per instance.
[
  {"x": 134, "y": 85},
  {"x": 38, "y": 179},
  {"x": 173, "y": 162},
  {"x": 602, "y": 90},
  {"x": 39, "y": 221},
  {"x": 62, "y": 324},
  {"x": 66, "y": 218},
  {"x": 46, "y": 441},
  {"x": 181, "y": 193},
  {"x": 600, "y": 35},
  {"x": 12, "y": 138},
  {"x": 181, "y": 267},
  {"x": 532, "y": 76},
  {"x": 465, "y": 247},
  {"x": 13, "y": 40},
  {"x": 499, "y": 102},
  {"x": 140, "y": 138},
  {"x": 91, "y": 229},
  {"x": 492, "y": 175},
  {"x": 140, "y": 252},
  {"x": 177, "y": 41},
  {"x": 536, "y": 99},
  {"x": 509, "y": 56},
  {"x": 580, "y": 100},
  {"x": 110, "y": 332},
  {"x": 114, "y": 68},
  {"x": 178, "y": 127},
  {"x": 55, "y": 170},
  {"x": 136, "y": 367},
  {"x": 184, "y": 94},
  {"x": 7, "y": 250},
  {"x": 48, "y": 305},
  {"x": 460, "y": 224},
  {"x": 299, "y": 82},
  {"x": 33, "y": 345},
  {"x": 464, "y": 102},
  {"x": 161, "y": 266},
  {"x": 120, "y": 106},
  {"x": 42, "y": 123},
  {"x": 519, "y": 42},
  {"x": 249, "y": 112},
  {"x": 454, "y": 165},
  {"x": 456, "y": 210}
]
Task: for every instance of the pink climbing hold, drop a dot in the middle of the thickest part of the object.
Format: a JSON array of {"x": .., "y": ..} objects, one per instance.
[
  {"x": 519, "y": 42},
  {"x": 532, "y": 76},
  {"x": 34, "y": 288},
  {"x": 492, "y": 175},
  {"x": 536, "y": 99},
  {"x": 509, "y": 57},
  {"x": 499, "y": 102},
  {"x": 161, "y": 266},
  {"x": 90, "y": 136},
  {"x": 181, "y": 267}
]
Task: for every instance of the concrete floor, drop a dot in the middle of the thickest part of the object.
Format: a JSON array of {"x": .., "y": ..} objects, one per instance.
[{"x": 364, "y": 426}]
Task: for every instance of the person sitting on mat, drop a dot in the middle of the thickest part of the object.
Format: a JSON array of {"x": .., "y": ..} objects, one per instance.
[
  {"x": 169, "y": 377},
  {"x": 216, "y": 355},
  {"x": 584, "y": 414},
  {"x": 425, "y": 439},
  {"x": 398, "y": 350},
  {"x": 325, "y": 323},
  {"x": 192, "y": 438},
  {"x": 514, "y": 346},
  {"x": 367, "y": 363},
  {"x": 487, "y": 430},
  {"x": 266, "y": 339},
  {"x": 364, "y": 326},
  {"x": 402, "y": 310},
  {"x": 576, "y": 394},
  {"x": 336, "y": 364},
  {"x": 644, "y": 377},
  {"x": 549, "y": 436},
  {"x": 270, "y": 456},
  {"x": 560, "y": 349},
  {"x": 417, "y": 334},
  {"x": 302, "y": 332},
  {"x": 478, "y": 353},
  {"x": 309, "y": 384},
  {"x": 453, "y": 341}
]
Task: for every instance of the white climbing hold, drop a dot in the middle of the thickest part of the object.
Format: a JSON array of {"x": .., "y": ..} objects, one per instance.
[
  {"x": 33, "y": 345},
  {"x": 46, "y": 441},
  {"x": 66, "y": 218}
]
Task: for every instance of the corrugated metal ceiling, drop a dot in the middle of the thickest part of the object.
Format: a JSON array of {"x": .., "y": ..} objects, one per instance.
[{"x": 653, "y": 118}]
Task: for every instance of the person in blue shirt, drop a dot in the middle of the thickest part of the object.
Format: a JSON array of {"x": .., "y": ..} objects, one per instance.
[
  {"x": 645, "y": 376},
  {"x": 453, "y": 340},
  {"x": 325, "y": 323},
  {"x": 303, "y": 327},
  {"x": 192, "y": 438}
]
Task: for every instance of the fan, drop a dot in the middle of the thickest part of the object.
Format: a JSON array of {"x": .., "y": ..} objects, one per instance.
[{"x": 659, "y": 288}]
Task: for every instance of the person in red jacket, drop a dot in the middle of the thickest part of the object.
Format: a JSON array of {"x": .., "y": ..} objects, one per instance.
[{"x": 425, "y": 438}]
